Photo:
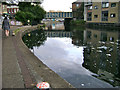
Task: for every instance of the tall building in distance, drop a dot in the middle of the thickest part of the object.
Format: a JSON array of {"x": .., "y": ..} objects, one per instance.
[{"x": 102, "y": 12}]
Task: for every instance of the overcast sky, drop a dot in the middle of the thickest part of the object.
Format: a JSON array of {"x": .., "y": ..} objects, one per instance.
[{"x": 63, "y": 5}]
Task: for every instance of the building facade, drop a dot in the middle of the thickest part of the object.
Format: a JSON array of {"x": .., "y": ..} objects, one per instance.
[
  {"x": 75, "y": 9},
  {"x": 12, "y": 9},
  {"x": 58, "y": 14},
  {"x": 102, "y": 12}
]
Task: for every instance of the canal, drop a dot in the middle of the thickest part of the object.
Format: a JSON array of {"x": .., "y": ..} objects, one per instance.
[{"x": 86, "y": 58}]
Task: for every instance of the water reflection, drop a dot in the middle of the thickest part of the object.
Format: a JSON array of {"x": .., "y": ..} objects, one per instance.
[
  {"x": 34, "y": 39},
  {"x": 55, "y": 26},
  {"x": 102, "y": 53},
  {"x": 85, "y": 58}
]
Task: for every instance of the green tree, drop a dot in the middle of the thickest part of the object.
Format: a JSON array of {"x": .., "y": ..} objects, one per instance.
[{"x": 29, "y": 12}]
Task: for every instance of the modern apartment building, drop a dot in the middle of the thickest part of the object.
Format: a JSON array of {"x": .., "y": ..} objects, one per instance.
[{"x": 102, "y": 12}]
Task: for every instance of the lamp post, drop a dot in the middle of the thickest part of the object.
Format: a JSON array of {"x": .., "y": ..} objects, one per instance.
[{"x": 28, "y": 22}]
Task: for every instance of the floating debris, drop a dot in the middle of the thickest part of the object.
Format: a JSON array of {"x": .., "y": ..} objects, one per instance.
[
  {"x": 108, "y": 55},
  {"x": 93, "y": 48},
  {"x": 112, "y": 42},
  {"x": 111, "y": 49},
  {"x": 102, "y": 47},
  {"x": 82, "y": 84},
  {"x": 99, "y": 51}
]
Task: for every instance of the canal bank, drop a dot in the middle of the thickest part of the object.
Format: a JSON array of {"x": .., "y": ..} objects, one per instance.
[{"x": 21, "y": 69}]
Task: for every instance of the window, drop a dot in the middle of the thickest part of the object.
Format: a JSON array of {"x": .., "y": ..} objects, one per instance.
[
  {"x": 105, "y": 4},
  {"x": 112, "y": 39},
  {"x": 15, "y": 10},
  {"x": 113, "y": 4},
  {"x": 89, "y": 16},
  {"x": 89, "y": 34},
  {"x": 89, "y": 7},
  {"x": 8, "y": 10},
  {"x": 112, "y": 15},
  {"x": 96, "y": 7},
  {"x": 95, "y": 16},
  {"x": 103, "y": 37},
  {"x": 104, "y": 15},
  {"x": 77, "y": 5}
]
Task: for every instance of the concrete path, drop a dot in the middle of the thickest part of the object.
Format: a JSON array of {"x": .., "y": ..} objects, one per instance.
[
  {"x": 0, "y": 58},
  {"x": 11, "y": 72}
]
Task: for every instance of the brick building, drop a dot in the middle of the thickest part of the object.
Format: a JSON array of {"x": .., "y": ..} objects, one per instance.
[
  {"x": 102, "y": 12},
  {"x": 75, "y": 9}
]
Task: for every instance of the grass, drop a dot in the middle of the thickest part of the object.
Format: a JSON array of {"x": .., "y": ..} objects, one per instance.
[{"x": 16, "y": 31}]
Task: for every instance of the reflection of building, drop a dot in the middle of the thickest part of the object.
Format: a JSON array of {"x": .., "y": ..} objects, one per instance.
[
  {"x": 58, "y": 34},
  {"x": 102, "y": 12},
  {"x": 102, "y": 54}
]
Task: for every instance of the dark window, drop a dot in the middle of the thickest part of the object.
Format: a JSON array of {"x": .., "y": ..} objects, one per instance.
[
  {"x": 89, "y": 16},
  {"x": 112, "y": 39},
  {"x": 95, "y": 35},
  {"x": 104, "y": 15},
  {"x": 103, "y": 37},
  {"x": 89, "y": 34},
  {"x": 65, "y": 14},
  {"x": 95, "y": 16},
  {"x": 112, "y": 15},
  {"x": 113, "y": 4},
  {"x": 96, "y": 7}
]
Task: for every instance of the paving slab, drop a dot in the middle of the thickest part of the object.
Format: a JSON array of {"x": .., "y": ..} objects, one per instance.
[{"x": 11, "y": 73}]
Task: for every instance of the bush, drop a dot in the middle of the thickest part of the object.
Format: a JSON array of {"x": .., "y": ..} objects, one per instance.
[{"x": 77, "y": 22}]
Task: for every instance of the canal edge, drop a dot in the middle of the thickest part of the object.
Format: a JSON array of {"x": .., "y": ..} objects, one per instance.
[{"x": 46, "y": 74}]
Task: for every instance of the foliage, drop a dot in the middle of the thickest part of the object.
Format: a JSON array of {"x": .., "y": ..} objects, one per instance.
[
  {"x": 29, "y": 12},
  {"x": 77, "y": 22}
]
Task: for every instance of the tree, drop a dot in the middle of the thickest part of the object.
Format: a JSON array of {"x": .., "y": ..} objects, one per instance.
[
  {"x": 29, "y": 12},
  {"x": 81, "y": 11}
]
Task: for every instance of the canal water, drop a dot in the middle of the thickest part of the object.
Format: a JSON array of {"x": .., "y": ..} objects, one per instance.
[{"x": 86, "y": 58}]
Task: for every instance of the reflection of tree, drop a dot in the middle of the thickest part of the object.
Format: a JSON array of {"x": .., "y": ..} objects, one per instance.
[
  {"x": 77, "y": 38},
  {"x": 35, "y": 38}
]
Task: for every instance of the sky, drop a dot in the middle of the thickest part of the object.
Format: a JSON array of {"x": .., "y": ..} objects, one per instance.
[{"x": 62, "y": 5}]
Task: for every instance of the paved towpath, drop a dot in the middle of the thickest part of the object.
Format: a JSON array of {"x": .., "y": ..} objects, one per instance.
[
  {"x": 20, "y": 68},
  {"x": 0, "y": 58}
]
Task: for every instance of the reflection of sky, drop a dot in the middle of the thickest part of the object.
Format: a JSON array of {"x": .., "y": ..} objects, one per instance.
[{"x": 66, "y": 59}]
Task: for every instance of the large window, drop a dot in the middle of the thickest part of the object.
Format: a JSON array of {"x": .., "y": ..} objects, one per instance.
[
  {"x": 113, "y": 4},
  {"x": 105, "y": 4},
  {"x": 89, "y": 16},
  {"x": 95, "y": 16},
  {"x": 104, "y": 15},
  {"x": 89, "y": 7},
  {"x": 103, "y": 37},
  {"x": 112, "y": 15}
]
